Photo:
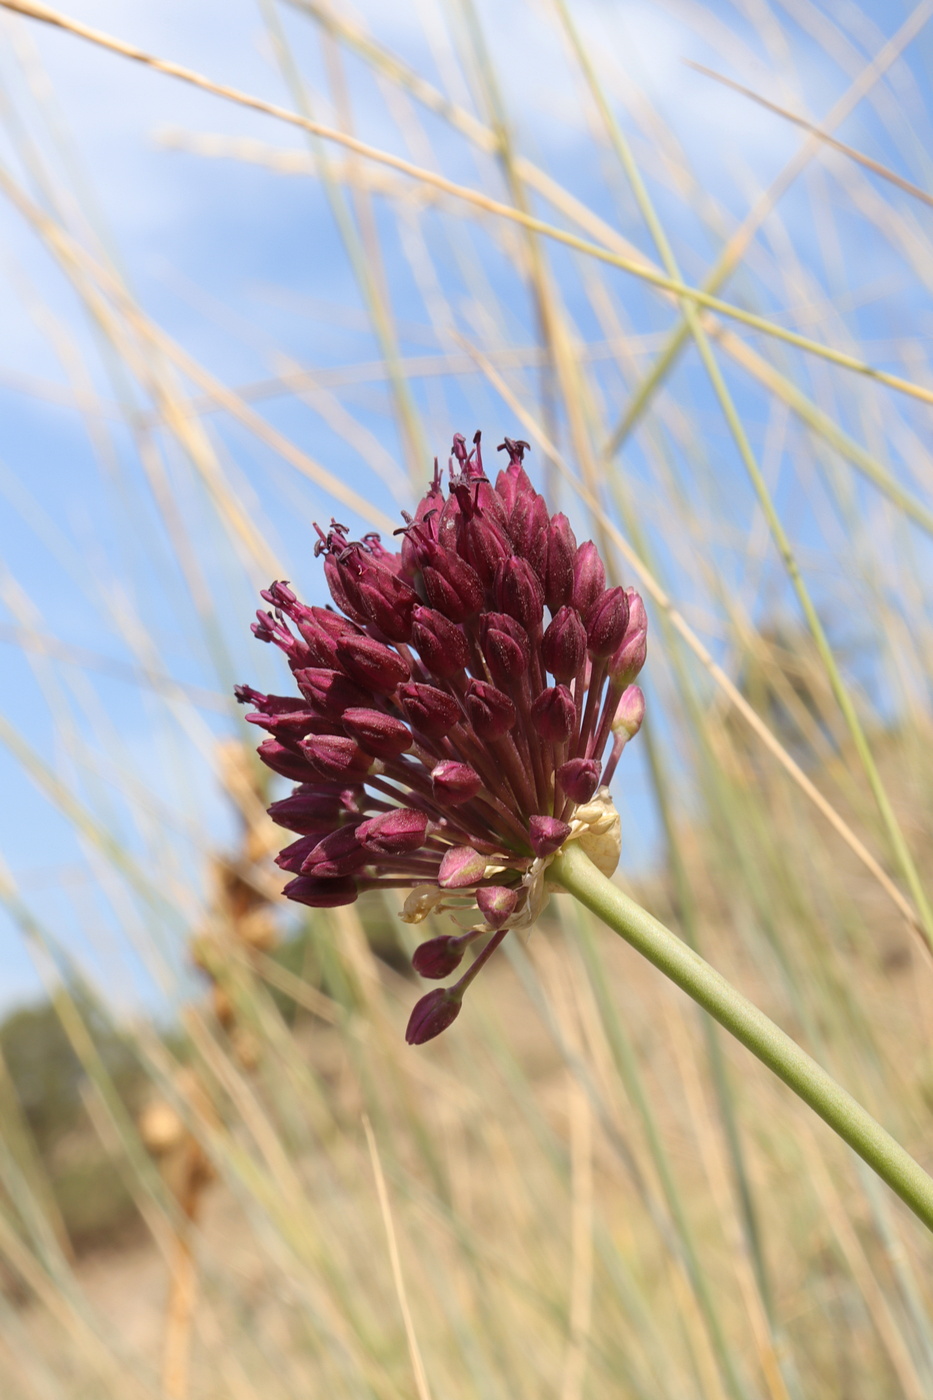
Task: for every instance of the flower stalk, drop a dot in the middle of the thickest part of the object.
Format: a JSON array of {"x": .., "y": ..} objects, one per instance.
[{"x": 577, "y": 874}]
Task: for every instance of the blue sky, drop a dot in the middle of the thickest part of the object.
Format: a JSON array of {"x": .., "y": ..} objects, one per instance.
[{"x": 244, "y": 268}]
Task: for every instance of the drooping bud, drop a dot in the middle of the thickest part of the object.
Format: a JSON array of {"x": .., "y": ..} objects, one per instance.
[
  {"x": 564, "y": 644},
  {"x": 335, "y": 756},
  {"x": 441, "y": 644},
  {"x": 606, "y": 622},
  {"x": 496, "y": 903},
  {"x": 394, "y": 833},
  {"x": 371, "y": 664},
  {"x": 428, "y": 709},
  {"x": 283, "y": 761},
  {"x": 308, "y": 813},
  {"x": 630, "y": 712},
  {"x": 578, "y": 778},
  {"x": 330, "y": 691},
  {"x": 589, "y": 577},
  {"x": 339, "y": 853},
  {"x": 379, "y": 734},
  {"x": 461, "y": 866},
  {"x": 560, "y": 548},
  {"x": 491, "y": 712},
  {"x": 438, "y": 957},
  {"x": 519, "y": 592},
  {"x": 455, "y": 782},
  {"x": 321, "y": 894},
  {"x": 553, "y": 714},
  {"x": 432, "y": 1014},
  {"x": 547, "y": 834}
]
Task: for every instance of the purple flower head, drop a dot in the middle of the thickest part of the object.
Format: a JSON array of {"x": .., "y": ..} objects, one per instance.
[{"x": 450, "y": 712}]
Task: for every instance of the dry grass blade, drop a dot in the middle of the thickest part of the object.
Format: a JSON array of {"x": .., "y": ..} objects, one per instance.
[
  {"x": 874, "y": 166},
  {"x": 492, "y": 206}
]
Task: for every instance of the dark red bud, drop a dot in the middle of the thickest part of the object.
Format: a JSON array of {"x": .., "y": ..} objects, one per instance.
[
  {"x": 564, "y": 645},
  {"x": 377, "y": 733},
  {"x": 519, "y": 592},
  {"x": 441, "y": 644},
  {"x": 394, "y": 833},
  {"x": 455, "y": 782},
  {"x": 496, "y": 903},
  {"x": 432, "y": 1014},
  {"x": 628, "y": 661},
  {"x": 321, "y": 894},
  {"x": 461, "y": 866},
  {"x": 371, "y": 664},
  {"x": 547, "y": 835},
  {"x": 344, "y": 589},
  {"x": 554, "y": 714},
  {"x": 452, "y": 585},
  {"x": 339, "y": 853},
  {"x": 293, "y": 857},
  {"x": 389, "y": 603},
  {"x": 560, "y": 548},
  {"x": 308, "y": 813},
  {"x": 528, "y": 525},
  {"x": 330, "y": 691},
  {"x": 438, "y": 957},
  {"x": 491, "y": 712},
  {"x": 284, "y": 761},
  {"x": 579, "y": 778},
  {"x": 428, "y": 709},
  {"x": 506, "y": 648},
  {"x": 482, "y": 542},
  {"x": 589, "y": 577},
  {"x": 293, "y": 723},
  {"x": 606, "y": 622},
  {"x": 334, "y": 756}
]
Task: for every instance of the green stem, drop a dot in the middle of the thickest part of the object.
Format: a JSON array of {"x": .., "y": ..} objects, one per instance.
[{"x": 574, "y": 870}]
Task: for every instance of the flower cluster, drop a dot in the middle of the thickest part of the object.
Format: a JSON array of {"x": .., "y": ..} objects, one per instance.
[{"x": 447, "y": 737}]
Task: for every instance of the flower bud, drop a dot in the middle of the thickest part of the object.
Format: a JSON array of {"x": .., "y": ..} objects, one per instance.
[
  {"x": 589, "y": 577},
  {"x": 293, "y": 856},
  {"x": 564, "y": 644},
  {"x": 506, "y": 648},
  {"x": 394, "y": 833},
  {"x": 481, "y": 540},
  {"x": 606, "y": 622},
  {"x": 293, "y": 722},
  {"x": 331, "y": 692},
  {"x": 438, "y": 957},
  {"x": 627, "y": 662},
  {"x": 528, "y": 525},
  {"x": 452, "y": 585},
  {"x": 338, "y": 853},
  {"x": 432, "y": 1014},
  {"x": 560, "y": 548},
  {"x": 379, "y": 734},
  {"x": 553, "y": 714},
  {"x": 461, "y": 866},
  {"x": 308, "y": 814},
  {"x": 455, "y": 782},
  {"x": 344, "y": 588},
  {"x": 496, "y": 903},
  {"x": 371, "y": 664},
  {"x": 431, "y": 711},
  {"x": 441, "y": 645},
  {"x": 389, "y": 602},
  {"x": 321, "y": 894},
  {"x": 630, "y": 712},
  {"x": 578, "y": 778},
  {"x": 513, "y": 481},
  {"x": 519, "y": 592},
  {"x": 547, "y": 834},
  {"x": 491, "y": 712},
  {"x": 335, "y": 756},
  {"x": 283, "y": 761}
]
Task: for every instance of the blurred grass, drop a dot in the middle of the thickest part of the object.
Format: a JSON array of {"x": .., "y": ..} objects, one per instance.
[{"x": 582, "y": 1190}]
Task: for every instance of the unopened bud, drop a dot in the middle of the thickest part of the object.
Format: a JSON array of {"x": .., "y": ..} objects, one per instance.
[
  {"x": 547, "y": 834},
  {"x": 394, "y": 833},
  {"x": 519, "y": 592},
  {"x": 284, "y": 761},
  {"x": 428, "y": 709},
  {"x": 496, "y": 903},
  {"x": 321, "y": 894},
  {"x": 606, "y": 622},
  {"x": 455, "y": 782},
  {"x": 560, "y": 548},
  {"x": 564, "y": 644},
  {"x": 339, "y": 853},
  {"x": 589, "y": 577},
  {"x": 461, "y": 866},
  {"x": 371, "y": 664},
  {"x": 579, "y": 778},
  {"x": 630, "y": 712},
  {"x": 336, "y": 756},
  {"x": 432, "y": 1014},
  {"x": 554, "y": 714},
  {"x": 438, "y": 957},
  {"x": 441, "y": 644},
  {"x": 491, "y": 712},
  {"x": 376, "y": 732}
]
